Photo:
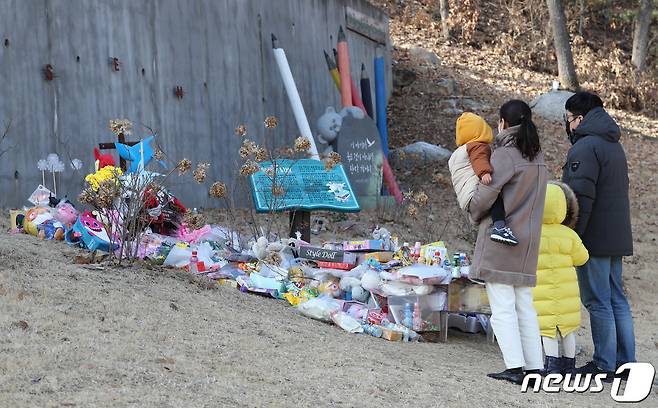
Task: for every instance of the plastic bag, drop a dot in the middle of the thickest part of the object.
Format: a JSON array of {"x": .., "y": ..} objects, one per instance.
[
  {"x": 40, "y": 197},
  {"x": 346, "y": 322},
  {"x": 319, "y": 308}
]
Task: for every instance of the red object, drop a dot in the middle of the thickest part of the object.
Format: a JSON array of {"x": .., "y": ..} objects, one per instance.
[
  {"x": 356, "y": 99},
  {"x": 336, "y": 265},
  {"x": 391, "y": 184},
  {"x": 103, "y": 159}
]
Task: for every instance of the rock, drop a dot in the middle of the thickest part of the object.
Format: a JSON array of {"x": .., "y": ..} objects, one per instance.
[
  {"x": 403, "y": 77},
  {"x": 473, "y": 105},
  {"x": 424, "y": 56},
  {"x": 420, "y": 153},
  {"x": 444, "y": 87},
  {"x": 551, "y": 105},
  {"x": 457, "y": 106}
]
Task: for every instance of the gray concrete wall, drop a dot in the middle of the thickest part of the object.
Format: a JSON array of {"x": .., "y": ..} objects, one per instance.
[{"x": 219, "y": 51}]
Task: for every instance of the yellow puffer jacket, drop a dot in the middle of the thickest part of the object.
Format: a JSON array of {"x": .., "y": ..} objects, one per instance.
[{"x": 556, "y": 296}]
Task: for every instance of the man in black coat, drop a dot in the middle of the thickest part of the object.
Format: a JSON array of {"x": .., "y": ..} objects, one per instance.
[{"x": 597, "y": 171}]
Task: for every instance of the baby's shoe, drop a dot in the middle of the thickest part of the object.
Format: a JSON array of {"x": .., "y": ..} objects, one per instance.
[{"x": 504, "y": 235}]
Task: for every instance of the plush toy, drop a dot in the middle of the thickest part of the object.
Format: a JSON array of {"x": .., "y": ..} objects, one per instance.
[
  {"x": 65, "y": 213},
  {"x": 330, "y": 288},
  {"x": 35, "y": 217},
  {"x": 330, "y": 122},
  {"x": 51, "y": 229},
  {"x": 353, "y": 286},
  {"x": 87, "y": 232},
  {"x": 103, "y": 160},
  {"x": 370, "y": 280},
  {"x": 259, "y": 248}
]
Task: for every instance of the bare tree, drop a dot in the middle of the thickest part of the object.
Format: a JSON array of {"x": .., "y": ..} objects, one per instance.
[
  {"x": 444, "y": 12},
  {"x": 641, "y": 35},
  {"x": 565, "y": 65}
]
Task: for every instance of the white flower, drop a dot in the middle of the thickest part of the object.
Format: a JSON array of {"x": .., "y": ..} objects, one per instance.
[
  {"x": 42, "y": 165},
  {"x": 76, "y": 164}
]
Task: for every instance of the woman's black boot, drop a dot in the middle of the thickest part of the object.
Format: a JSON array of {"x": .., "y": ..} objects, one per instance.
[{"x": 513, "y": 375}]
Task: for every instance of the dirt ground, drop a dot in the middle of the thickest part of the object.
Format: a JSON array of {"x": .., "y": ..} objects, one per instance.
[{"x": 151, "y": 337}]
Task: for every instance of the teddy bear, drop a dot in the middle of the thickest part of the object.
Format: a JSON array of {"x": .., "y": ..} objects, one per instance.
[{"x": 329, "y": 125}]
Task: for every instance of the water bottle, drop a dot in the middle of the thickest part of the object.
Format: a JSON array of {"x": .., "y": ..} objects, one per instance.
[
  {"x": 417, "y": 321},
  {"x": 408, "y": 315},
  {"x": 194, "y": 267},
  {"x": 373, "y": 330}
]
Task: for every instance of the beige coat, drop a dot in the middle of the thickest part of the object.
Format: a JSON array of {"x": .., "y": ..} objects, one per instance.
[
  {"x": 523, "y": 186},
  {"x": 464, "y": 179}
]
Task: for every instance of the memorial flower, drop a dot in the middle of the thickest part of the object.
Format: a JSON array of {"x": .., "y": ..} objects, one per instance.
[
  {"x": 278, "y": 190},
  {"x": 421, "y": 198},
  {"x": 248, "y": 168},
  {"x": 412, "y": 210},
  {"x": 302, "y": 144},
  {"x": 199, "y": 173},
  {"x": 193, "y": 220},
  {"x": 261, "y": 154},
  {"x": 217, "y": 190},
  {"x": 106, "y": 173},
  {"x": 271, "y": 122},
  {"x": 332, "y": 161},
  {"x": 183, "y": 166},
  {"x": 158, "y": 155},
  {"x": 241, "y": 131},
  {"x": 119, "y": 126}
]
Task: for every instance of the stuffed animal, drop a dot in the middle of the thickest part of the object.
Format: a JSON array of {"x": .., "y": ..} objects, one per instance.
[
  {"x": 330, "y": 122},
  {"x": 35, "y": 217},
  {"x": 370, "y": 280},
  {"x": 330, "y": 288},
  {"x": 89, "y": 233},
  {"x": 65, "y": 213},
  {"x": 353, "y": 286},
  {"x": 103, "y": 160}
]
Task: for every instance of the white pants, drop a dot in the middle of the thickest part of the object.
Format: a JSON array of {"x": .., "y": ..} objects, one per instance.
[
  {"x": 514, "y": 321},
  {"x": 552, "y": 347}
]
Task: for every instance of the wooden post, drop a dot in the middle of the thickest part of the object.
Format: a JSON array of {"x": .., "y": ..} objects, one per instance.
[
  {"x": 110, "y": 146},
  {"x": 301, "y": 221}
]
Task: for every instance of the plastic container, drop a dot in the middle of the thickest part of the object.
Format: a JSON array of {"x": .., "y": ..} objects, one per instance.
[{"x": 428, "y": 310}]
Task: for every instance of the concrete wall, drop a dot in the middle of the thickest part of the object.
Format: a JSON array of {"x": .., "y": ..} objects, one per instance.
[{"x": 219, "y": 51}]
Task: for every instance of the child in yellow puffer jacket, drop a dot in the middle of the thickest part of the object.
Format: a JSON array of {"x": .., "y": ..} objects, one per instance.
[{"x": 556, "y": 296}]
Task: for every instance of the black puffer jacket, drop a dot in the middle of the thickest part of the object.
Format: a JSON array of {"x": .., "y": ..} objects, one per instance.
[{"x": 597, "y": 171}]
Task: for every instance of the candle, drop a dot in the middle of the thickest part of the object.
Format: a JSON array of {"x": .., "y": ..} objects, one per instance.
[{"x": 293, "y": 96}]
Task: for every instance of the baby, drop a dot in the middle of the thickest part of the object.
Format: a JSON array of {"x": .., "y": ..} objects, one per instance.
[{"x": 469, "y": 164}]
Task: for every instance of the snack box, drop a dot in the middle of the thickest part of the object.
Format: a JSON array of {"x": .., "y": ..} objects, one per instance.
[
  {"x": 335, "y": 265},
  {"x": 370, "y": 245},
  {"x": 327, "y": 255},
  {"x": 382, "y": 256},
  {"x": 390, "y": 335}
]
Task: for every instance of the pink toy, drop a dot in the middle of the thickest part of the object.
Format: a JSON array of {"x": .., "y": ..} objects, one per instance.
[{"x": 65, "y": 213}]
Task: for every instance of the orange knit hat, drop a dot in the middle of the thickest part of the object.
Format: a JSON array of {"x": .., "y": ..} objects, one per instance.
[{"x": 472, "y": 128}]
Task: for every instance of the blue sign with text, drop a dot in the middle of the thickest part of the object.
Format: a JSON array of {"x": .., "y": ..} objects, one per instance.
[{"x": 285, "y": 185}]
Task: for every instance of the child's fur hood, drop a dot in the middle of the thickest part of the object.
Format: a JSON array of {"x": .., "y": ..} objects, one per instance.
[{"x": 572, "y": 204}]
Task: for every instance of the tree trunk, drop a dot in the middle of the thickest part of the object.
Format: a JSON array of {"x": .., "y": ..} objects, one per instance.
[
  {"x": 565, "y": 66},
  {"x": 581, "y": 18},
  {"x": 641, "y": 35},
  {"x": 444, "y": 11}
]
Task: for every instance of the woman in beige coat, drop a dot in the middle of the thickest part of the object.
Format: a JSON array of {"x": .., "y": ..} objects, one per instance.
[{"x": 510, "y": 271}]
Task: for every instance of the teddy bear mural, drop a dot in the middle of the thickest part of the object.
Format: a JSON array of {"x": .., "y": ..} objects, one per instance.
[{"x": 330, "y": 124}]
